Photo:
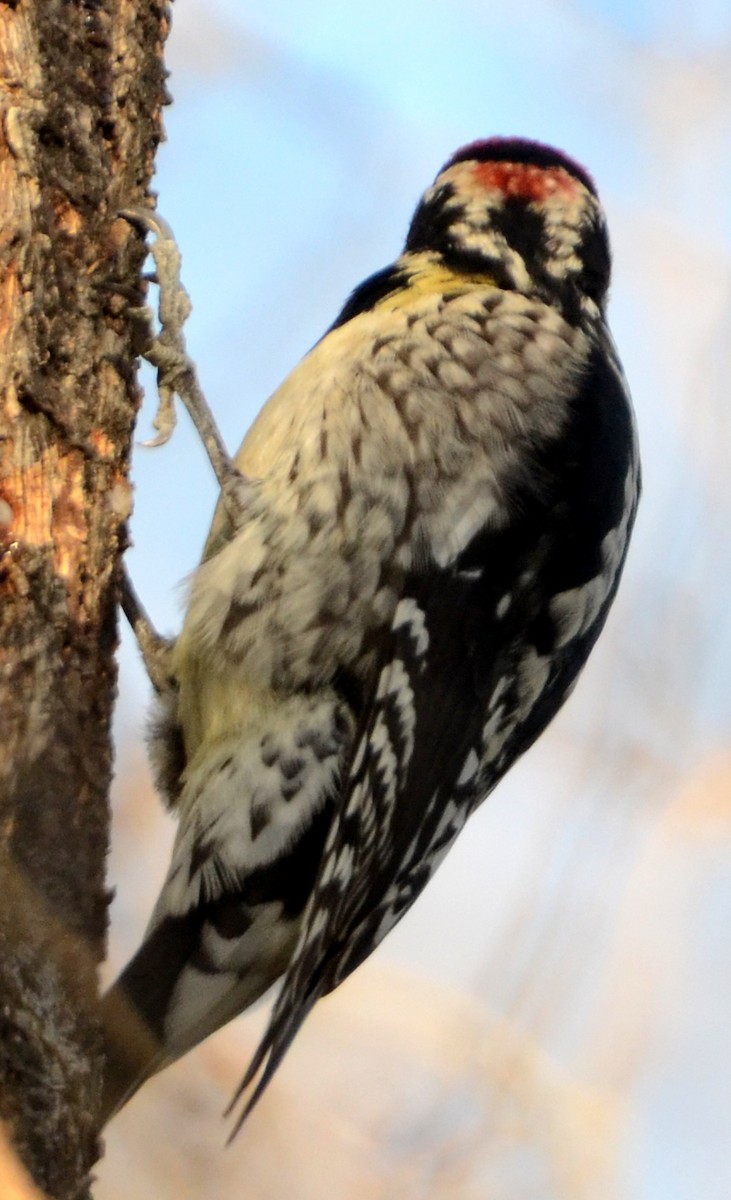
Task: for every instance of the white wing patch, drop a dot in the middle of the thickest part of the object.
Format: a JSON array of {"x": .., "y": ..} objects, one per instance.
[
  {"x": 503, "y": 605},
  {"x": 396, "y": 685},
  {"x": 469, "y": 770},
  {"x": 409, "y": 613}
]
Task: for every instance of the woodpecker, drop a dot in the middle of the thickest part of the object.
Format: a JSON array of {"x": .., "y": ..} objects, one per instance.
[{"x": 441, "y": 496}]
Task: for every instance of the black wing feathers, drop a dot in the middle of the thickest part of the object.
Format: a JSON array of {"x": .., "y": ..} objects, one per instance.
[{"x": 462, "y": 636}]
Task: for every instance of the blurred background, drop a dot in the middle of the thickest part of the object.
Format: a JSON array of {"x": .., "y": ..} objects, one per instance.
[{"x": 552, "y": 1021}]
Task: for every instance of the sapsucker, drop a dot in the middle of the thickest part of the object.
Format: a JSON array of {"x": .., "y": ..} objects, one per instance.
[{"x": 442, "y": 496}]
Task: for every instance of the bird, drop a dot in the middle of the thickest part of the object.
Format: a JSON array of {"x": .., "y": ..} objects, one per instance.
[{"x": 441, "y": 498}]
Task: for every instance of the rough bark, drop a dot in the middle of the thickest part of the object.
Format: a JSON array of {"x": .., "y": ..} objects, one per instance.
[
  {"x": 14, "y": 1181},
  {"x": 81, "y": 85}
]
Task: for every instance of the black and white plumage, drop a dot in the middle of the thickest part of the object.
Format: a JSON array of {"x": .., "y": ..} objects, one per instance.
[{"x": 444, "y": 490}]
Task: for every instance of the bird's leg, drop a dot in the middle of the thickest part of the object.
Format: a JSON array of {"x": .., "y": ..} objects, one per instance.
[
  {"x": 176, "y": 373},
  {"x": 154, "y": 648}
]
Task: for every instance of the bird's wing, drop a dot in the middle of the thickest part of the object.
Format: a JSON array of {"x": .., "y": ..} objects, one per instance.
[{"x": 478, "y": 658}]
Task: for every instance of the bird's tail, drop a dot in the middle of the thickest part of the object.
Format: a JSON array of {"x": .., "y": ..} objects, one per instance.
[
  {"x": 132, "y": 1051},
  {"x": 173, "y": 994}
]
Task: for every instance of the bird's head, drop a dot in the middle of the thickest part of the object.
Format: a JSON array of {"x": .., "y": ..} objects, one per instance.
[{"x": 523, "y": 213}]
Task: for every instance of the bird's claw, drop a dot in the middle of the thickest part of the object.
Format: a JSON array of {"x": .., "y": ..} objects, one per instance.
[{"x": 176, "y": 373}]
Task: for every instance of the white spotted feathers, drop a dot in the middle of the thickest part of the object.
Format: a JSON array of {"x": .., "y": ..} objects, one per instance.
[{"x": 445, "y": 490}]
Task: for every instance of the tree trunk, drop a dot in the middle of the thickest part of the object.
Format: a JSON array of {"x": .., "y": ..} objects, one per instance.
[{"x": 81, "y": 85}]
